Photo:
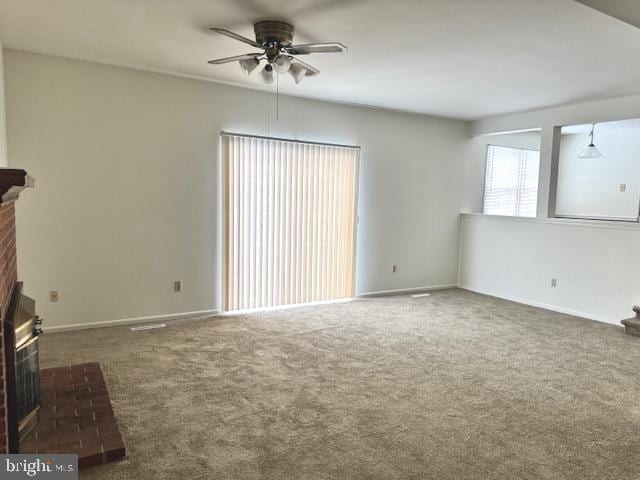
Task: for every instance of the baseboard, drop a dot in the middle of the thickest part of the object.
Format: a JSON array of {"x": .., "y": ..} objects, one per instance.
[
  {"x": 128, "y": 321},
  {"x": 546, "y": 306},
  {"x": 286, "y": 307},
  {"x": 400, "y": 291}
]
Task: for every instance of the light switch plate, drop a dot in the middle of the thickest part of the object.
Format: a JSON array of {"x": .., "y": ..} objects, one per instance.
[{"x": 623, "y": 187}]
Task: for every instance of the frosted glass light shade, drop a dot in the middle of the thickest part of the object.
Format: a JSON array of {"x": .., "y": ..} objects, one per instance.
[
  {"x": 590, "y": 152},
  {"x": 267, "y": 74},
  {"x": 281, "y": 64},
  {"x": 248, "y": 65},
  {"x": 297, "y": 71}
]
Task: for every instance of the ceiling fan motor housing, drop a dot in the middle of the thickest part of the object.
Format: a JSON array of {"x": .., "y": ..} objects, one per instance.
[{"x": 271, "y": 32}]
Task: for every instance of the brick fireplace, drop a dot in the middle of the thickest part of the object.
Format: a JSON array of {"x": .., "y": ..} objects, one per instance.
[
  {"x": 12, "y": 182},
  {"x": 73, "y": 412}
]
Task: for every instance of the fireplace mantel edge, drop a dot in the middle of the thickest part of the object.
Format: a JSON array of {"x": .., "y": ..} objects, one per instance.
[{"x": 12, "y": 182}]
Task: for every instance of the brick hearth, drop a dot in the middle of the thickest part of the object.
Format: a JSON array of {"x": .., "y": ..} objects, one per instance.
[{"x": 76, "y": 416}]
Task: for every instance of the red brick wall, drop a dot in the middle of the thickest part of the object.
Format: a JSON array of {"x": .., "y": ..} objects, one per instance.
[{"x": 8, "y": 277}]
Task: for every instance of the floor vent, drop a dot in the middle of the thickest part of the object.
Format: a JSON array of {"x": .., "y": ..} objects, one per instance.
[
  {"x": 419, "y": 295},
  {"x": 148, "y": 327}
]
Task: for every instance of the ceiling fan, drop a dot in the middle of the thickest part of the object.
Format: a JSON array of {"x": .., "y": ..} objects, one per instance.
[{"x": 275, "y": 39}]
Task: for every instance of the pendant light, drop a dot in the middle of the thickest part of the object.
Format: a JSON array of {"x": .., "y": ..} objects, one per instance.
[{"x": 591, "y": 151}]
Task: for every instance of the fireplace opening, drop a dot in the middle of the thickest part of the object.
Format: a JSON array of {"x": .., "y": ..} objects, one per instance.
[{"x": 22, "y": 329}]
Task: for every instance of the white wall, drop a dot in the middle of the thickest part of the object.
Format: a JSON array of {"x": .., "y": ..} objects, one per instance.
[
  {"x": 590, "y": 187},
  {"x": 516, "y": 258},
  {"x": 126, "y": 202},
  {"x": 595, "y": 263},
  {"x": 3, "y": 131}
]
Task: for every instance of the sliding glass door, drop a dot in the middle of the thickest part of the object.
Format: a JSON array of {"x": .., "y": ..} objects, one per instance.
[{"x": 289, "y": 222}]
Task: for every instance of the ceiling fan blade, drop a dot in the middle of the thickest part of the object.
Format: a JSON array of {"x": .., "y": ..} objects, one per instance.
[
  {"x": 311, "y": 71},
  {"x": 235, "y": 36},
  {"x": 235, "y": 58},
  {"x": 307, "y": 48}
]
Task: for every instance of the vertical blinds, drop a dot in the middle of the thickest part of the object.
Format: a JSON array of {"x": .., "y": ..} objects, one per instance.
[
  {"x": 511, "y": 183},
  {"x": 289, "y": 223}
]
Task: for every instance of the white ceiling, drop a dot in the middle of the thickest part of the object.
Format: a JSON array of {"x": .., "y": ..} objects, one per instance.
[
  {"x": 617, "y": 125},
  {"x": 458, "y": 58}
]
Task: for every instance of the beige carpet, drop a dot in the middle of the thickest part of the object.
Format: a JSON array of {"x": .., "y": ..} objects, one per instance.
[{"x": 452, "y": 386}]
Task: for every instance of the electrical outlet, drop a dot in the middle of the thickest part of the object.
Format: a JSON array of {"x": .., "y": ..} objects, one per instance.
[
  {"x": 394, "y": 269},
  {"x": 177, "y": 286},
  {"x": 623, "y": 187},
  {"x": 554, "y": 282},
  {"x": 53, "y": 296}
]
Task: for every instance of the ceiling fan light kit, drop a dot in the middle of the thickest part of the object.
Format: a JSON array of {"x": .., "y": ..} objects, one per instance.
[{"x": 275, "y": 39}]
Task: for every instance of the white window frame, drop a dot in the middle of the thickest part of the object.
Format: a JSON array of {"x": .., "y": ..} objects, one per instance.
[{"x": 486, "y": 165}]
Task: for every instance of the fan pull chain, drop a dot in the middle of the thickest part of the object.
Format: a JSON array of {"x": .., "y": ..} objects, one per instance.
[{"x": 277, "y": 96}]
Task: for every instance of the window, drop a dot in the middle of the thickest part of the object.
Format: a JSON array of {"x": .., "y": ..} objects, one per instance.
[
  {"x": 511, "y": 182},
  {"x": 289, "y": 223}
]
